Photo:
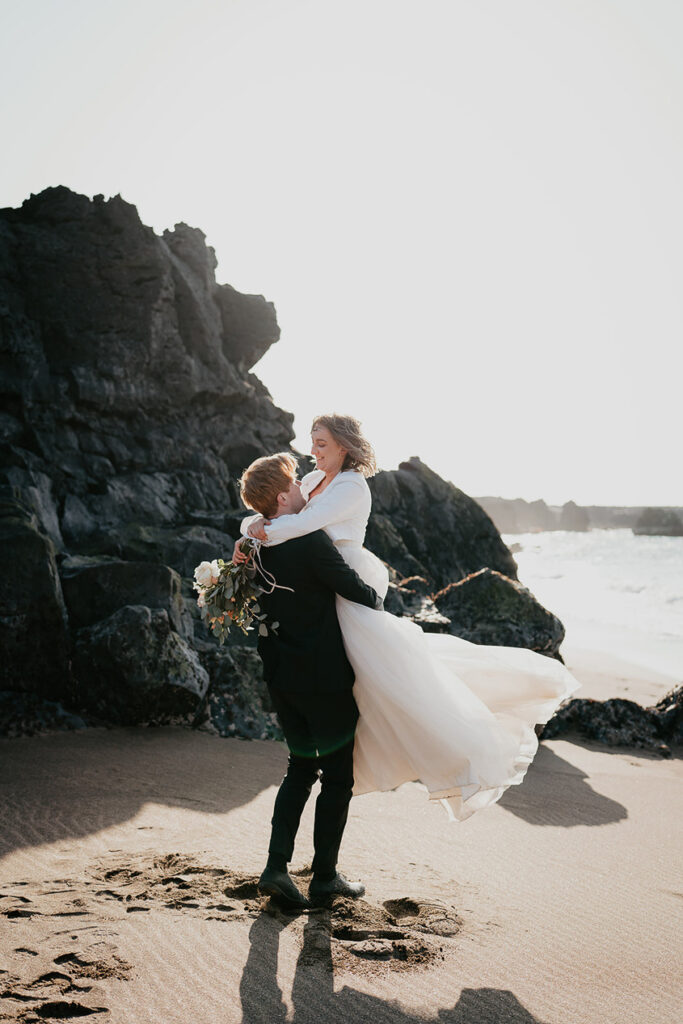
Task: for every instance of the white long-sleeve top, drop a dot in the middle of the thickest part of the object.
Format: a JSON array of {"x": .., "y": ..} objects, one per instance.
[{"x": 342, "y": 510}]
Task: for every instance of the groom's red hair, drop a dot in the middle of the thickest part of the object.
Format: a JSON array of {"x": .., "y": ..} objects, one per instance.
[{"x": 264, "y": 479}]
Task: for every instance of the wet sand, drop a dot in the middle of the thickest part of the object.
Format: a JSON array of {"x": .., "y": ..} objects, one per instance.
[{"x": 129, "y": 859}]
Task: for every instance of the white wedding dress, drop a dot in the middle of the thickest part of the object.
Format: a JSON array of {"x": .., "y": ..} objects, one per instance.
[{"x": 457, "y": 716}]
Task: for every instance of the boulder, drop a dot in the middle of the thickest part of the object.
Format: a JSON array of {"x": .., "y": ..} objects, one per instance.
[
  {"x": 490, "y": 608},
  {"x": 133, "y": 668},
  {"x": 95, "y": 587},
  {"x": 619, "y": 722},
  {"x": 423, "y": 525}
]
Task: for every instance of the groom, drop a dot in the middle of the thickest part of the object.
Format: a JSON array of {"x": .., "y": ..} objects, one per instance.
[{"x": 310, "y": 682}]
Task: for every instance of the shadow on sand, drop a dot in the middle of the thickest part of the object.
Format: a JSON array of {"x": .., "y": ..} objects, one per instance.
[
  {"x": 69, "y": 785},
  {"x": 315, "y": 999}
]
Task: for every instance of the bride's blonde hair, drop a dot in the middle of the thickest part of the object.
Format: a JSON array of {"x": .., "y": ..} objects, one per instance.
[{"x": 346, "y": 432}]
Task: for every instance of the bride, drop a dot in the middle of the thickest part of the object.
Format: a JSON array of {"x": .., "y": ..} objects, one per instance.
[{"x": 457, "y": 716}]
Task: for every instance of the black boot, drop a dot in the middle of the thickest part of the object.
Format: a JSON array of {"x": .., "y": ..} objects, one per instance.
[
  {"x": 279, "y": 885},
  {"x": 319, "y": 891}
]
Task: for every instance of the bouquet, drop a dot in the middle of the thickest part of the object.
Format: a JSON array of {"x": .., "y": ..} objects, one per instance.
[{"x": 228, "y": 596}]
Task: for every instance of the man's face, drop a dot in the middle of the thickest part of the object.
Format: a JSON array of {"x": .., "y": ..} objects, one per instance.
[{"x": 294, "y": 499}]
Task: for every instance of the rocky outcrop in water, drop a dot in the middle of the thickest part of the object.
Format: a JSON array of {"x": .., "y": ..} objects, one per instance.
[
  {"x": 128, "y": 411},
  {"x": 659, "y": 522}
]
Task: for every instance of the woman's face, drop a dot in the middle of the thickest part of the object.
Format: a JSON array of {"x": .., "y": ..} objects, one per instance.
[{"x": 328, "y": 453}]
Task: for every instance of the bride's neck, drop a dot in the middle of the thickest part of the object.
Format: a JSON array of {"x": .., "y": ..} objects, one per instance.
[{"x": 330, "y": 474}]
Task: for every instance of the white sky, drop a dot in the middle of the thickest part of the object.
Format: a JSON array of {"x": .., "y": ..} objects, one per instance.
[{"x": 468, "y": 214}]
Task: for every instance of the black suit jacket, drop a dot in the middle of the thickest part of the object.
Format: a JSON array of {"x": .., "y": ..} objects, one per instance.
[{"x": 307, "y": 655}]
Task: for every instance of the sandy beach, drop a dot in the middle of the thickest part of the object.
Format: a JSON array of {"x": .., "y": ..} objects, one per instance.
[{"x": 129, "y": 861}]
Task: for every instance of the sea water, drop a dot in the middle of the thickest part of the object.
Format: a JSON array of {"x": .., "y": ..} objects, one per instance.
[{"x": 613, "y": 590}]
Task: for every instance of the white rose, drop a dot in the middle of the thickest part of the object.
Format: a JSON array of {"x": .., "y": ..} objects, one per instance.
[
  {"x": 215, "y": 571},
  {"x": 204, "y": 574}
]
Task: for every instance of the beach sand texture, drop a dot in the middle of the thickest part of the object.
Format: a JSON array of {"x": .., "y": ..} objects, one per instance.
[{"x": 127, "y": 889}]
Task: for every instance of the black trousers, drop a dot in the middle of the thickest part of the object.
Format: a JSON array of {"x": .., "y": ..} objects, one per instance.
[{"x": 319, "y": 730}]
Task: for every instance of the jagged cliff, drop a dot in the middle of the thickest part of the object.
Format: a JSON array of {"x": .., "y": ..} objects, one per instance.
[
  {"x": 126, "y": 392},
  {"x": 128, "y": 410}
]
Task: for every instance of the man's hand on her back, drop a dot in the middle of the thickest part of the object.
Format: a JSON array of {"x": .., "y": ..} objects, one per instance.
[{"x": 239, "y": 556}]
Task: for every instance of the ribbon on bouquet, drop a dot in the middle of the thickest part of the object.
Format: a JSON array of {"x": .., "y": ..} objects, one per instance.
[{"x": 265, "y": 575}]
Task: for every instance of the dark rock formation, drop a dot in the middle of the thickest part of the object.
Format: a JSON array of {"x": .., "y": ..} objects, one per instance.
[
  {"x": 95, "y": 588},
  {"x": 461, "y": 577},
  {"x": 183, "y": 547},
  {"x": 133, "y": 667},
  {"x": 669, "y": 710},
  {"x": 489, "y": 608},
  {"x": 659, "y": 522},
  {"x": 238, "y": 702},
  {"x": 619, "y": 722},
  {"x": 127, "y": 411},
  {"x": 424, "y": 526},
  {"x": 126, "y": 395}
]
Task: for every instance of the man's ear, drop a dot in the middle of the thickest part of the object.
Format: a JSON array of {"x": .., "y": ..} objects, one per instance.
[{"x": 282, "y": 498}]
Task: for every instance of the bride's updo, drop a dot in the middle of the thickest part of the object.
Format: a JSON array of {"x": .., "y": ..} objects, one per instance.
[{"x": 346, "y": 432}]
